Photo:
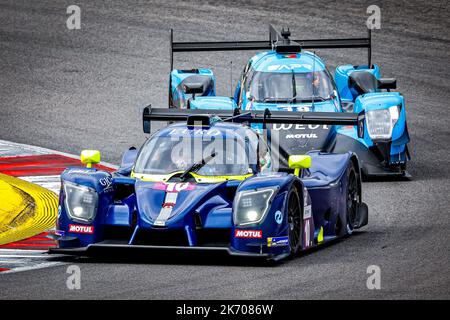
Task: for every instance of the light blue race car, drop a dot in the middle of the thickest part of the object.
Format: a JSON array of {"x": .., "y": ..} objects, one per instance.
[{"x": 287, "y": 77}]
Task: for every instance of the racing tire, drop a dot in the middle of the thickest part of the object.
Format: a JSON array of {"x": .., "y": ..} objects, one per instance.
[
  {"x": 353, "y": 197},
  {"x": 294, "y": 216}
]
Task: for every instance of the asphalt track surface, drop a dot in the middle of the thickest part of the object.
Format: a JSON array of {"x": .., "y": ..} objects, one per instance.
[{"x": 69, "y": 90}]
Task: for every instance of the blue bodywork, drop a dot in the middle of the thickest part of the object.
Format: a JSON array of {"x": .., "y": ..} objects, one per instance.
[
  {"x": 383, "y": 156},
  {"x": 202, "y": 217}
]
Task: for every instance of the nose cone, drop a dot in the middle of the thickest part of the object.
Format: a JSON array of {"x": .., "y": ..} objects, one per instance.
[{"x": 170, "y": 204}]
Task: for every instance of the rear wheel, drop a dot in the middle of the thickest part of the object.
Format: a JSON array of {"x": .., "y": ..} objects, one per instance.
[{"x": 294, "y": 210}]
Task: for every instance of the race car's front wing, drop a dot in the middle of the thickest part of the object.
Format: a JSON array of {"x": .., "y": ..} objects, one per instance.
[{"x": 112, "y": 249}]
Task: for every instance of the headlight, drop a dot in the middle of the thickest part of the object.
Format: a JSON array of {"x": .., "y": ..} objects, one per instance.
[
  {"x": 251, "y": 206},
  {"x": 380, "y": 123},
  {"x": 81, "y": 202}
]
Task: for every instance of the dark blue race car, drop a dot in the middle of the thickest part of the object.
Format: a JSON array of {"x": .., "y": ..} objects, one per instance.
[
  {"x": 208, "y": 182},
  {"x": 285, "y": 76}
]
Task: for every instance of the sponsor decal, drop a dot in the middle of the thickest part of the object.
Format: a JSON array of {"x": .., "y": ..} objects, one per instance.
[
  {"x": 284, "y": 126},
  {"x": 81, "y": 171},
  {"x": 189, "y": 132},
  {"x": 302, "y": 136},
  {"x": 289, "y": 67},
  {"x": 248, "y": 234},
  {"x": 174, "y": 187},
  {"x": 59, "y": 233},
  {"x": 107, "y": 184},
  {"x": 278, "y": 217},
  {"x": 76, "y": 228},
  {"x": 295, "y": 108},
  {"x": 278, "y": 241},
  {"x": 307, "y": 233},
  {"x": 166, "y": 210},
  {"x": 307, "y": 212}
]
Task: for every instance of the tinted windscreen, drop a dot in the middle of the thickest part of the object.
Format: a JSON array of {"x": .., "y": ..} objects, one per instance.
[
  {"x": 268, "y": 86},
  {"x": 165, "y": 155}
]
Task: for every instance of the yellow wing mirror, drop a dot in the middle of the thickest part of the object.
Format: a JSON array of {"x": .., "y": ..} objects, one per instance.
[
  {"x": 298, "y": 162},
  {"x": 89, "y": 157}
]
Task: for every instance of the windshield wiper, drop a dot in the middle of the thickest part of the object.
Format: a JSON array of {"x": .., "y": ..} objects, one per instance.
[
  {"x": 294, "y": 86},
  {"x": 311, "y": 99},
  {"x": 293, "y": 100},
  {"x": 275, "y": 100},
  {"x": 196, "y": 166}
]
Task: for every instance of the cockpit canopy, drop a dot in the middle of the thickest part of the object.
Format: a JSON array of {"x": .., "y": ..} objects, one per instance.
[
  {"x": 175, "y": 149},
  {"x": 269, "y": 86}
]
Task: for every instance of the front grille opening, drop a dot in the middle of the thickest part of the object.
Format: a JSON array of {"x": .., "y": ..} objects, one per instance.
[
  {"x": 118, "y": 233},
  {"x": 327, "y": 215},
  {"x": 123, "y": 191},
  {"x": 205, "y": 237},
  {"x": 198, "y": 221},
  {"x": 231, "y": 192},
  {"x": 377, "y": 153},
  {"x": 161, "y": 238},
  {"x": 213, "y": 237}
]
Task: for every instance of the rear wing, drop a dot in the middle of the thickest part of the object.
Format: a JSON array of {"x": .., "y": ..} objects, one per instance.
[
  {"x": 254, "y": 116},
  {"x": 278, "y": 41}
]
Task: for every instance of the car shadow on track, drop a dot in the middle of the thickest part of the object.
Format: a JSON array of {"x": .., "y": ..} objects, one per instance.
[
  {"x": 178, "y": 259},
  {"x": 192, "y": 258}
]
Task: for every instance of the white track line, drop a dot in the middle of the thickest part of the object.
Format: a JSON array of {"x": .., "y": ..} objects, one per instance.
[
  {"x": 21, "y": 256},
  {"x": 21, "y": 251},
  {"x": 52, "y": 183},
  {"x": 7, "y": 148},
  {"x": 34, "y": 267}
]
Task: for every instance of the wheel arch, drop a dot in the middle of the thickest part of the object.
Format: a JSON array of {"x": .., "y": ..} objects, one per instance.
[
  {"x": 296, "y": 183},
  {"x": 354, "y": 159}
]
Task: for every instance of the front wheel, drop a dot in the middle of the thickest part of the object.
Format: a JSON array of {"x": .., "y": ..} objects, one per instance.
[
  {"x": 353, "y": 197},
  {"x": 294, "y": 210}
]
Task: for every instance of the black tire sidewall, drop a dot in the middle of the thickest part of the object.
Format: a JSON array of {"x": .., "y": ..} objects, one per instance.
[
  {"x": 293, "y": 189},
  {"x": 351, "y": 168}
]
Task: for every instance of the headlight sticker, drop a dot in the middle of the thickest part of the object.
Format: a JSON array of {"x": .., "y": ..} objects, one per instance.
[
  {"x": 80, "y": 202},
  {"x": 251, "y": 206},
  {"x": 380, "y": 122}
]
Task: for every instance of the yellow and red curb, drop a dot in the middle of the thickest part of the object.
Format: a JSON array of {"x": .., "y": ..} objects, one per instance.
[
  {"x": 26, "y": 210},
  {"x": 29, "y": 188}
]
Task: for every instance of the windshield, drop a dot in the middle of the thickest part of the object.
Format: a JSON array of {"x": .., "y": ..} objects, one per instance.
[
  {"x": 165, "y": 155},
  {"x": 288, "y": 87}
]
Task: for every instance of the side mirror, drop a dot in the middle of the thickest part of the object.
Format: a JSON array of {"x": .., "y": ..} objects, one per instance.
[
  {"x": 193, "y": 88},
  {"x": 298, "y": 162},
  {"x": 361, "y": 124},
  {"x": 347, "y": 105},
  {"x": 128, "y": 159},
  {"x": 89, "y": 157},
  {"x": 387, "y": 83}
]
